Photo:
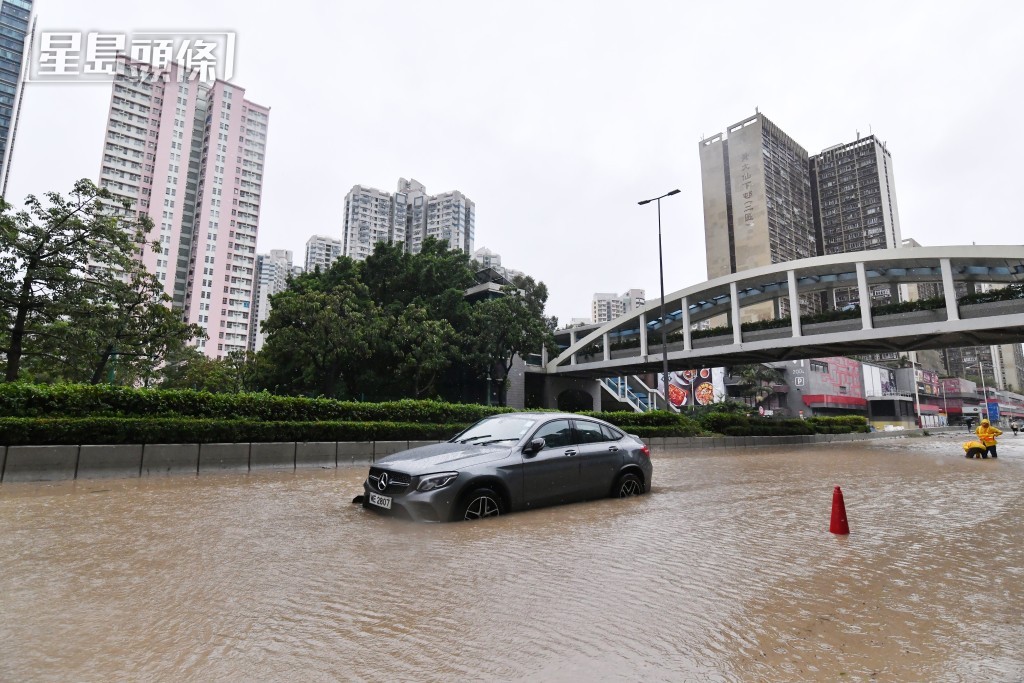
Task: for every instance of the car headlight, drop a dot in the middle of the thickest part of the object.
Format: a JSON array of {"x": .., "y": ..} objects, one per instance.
[{"x": 432, "y": 482}]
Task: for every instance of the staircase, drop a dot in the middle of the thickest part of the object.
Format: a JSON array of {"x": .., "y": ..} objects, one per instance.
[{"x": 635, "y": 393}]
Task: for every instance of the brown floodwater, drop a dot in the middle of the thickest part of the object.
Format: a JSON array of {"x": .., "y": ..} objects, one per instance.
[{"x": 725, "y": 572}]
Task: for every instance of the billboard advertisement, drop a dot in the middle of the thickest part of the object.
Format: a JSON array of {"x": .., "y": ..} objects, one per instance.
[
  {"x": 702, "y": 387},
  {"x": 879, "y": 381}
]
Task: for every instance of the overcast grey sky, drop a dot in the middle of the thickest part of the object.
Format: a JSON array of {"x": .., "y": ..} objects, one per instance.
[{"x": 556, "y": 117}]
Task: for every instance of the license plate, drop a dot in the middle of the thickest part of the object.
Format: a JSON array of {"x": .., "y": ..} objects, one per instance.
[{"x": 380, "y": 501}]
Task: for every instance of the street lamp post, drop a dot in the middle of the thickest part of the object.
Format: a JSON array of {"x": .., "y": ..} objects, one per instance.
[
  {"x": 917, "y": 399},
  {"x": 945, "y": 408},
  {"x": 984, "y": 389},
  {"x": 661, "y": 272}
]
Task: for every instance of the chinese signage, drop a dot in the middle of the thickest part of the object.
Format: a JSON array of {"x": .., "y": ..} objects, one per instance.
[
  {"x": 68, "y": 56},
  {"x": 745, "y": 186}
]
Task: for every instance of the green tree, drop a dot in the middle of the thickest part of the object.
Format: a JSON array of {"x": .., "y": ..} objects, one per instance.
[
  {"x": 410, "y": 354},
  {"x": 192, "y": 369},
  {"x": 755, "y": 380},
  {"x": 317, "y": 341},
  {"x": 56, "y": 257},
  {"x": 511, "y": 325}
]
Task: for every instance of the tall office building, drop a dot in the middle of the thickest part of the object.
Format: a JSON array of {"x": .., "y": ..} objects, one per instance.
[
  {"x": 409, "y": 216},
  {"x": 606, "y": 307},
  {"x": 272, "y": 273},
  {"x": 17, "y": 28},
  {"x": 766, "y": 201},
  {"x": 757, "y": 198},
  {"x": 854, "y": 196},
  {"x": 190, "y": 155},
  {"x": 757, "y": 203},
  {"x": 1010, "y": 373},
  {"x": 1003, "y": 365},
  {"x": 965, "y": 362},
  {"x": 321, "y": 252}
]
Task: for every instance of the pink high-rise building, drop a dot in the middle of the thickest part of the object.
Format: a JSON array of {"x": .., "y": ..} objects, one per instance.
[{"x": 190, "y": 155}]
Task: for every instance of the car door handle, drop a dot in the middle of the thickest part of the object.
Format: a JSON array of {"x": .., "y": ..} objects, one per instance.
[
  {"x": 613, "y": 449},
  {"x": 570, "y": 452}
]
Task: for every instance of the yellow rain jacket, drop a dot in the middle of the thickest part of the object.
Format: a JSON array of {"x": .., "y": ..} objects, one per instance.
[{"x": 987, "y": 433}]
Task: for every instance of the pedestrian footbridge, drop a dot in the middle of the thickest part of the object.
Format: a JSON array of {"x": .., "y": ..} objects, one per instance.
[{"x": 632, "y": 344}]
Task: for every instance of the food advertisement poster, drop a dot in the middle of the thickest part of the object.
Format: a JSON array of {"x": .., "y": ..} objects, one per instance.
[{"x": 702, "y": 387}]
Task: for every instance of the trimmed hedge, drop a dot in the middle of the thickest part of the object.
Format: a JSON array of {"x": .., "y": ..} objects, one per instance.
[
  {"x": 16, "y": 431},
  {"x": 654, "y": 423},
  {"x": 771, "y": 428},
  {"x": 719, "y": 422},
  {"x": 732, "y": 424},
  {"x": 78, "y": 400},
  {"x": 844, "y": 424}
]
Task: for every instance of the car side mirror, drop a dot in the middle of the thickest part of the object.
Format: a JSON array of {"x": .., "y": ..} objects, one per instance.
[{"x": 534, "y": 446}]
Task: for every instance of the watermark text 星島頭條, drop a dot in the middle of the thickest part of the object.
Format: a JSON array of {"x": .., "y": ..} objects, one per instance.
[{"x": 74, "y": 56}]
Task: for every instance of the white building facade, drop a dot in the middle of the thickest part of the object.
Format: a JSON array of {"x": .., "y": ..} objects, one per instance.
[
  {"x": 409, "y": 216},
  {"x": 272, "y": 273},
  {"x": 321, "y": 251}
]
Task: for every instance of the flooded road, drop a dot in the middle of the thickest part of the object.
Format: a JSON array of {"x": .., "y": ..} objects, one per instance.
[{"x": 725, "y": 572}]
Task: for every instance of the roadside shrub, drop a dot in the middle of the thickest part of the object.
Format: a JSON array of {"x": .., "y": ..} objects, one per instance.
[
  {"x": 843, "y": 424},
  {"x": 77, "y": 400},
  {"x": 720, "y": 421},
  {"x": 770, "y": 428},
  {"x": 16, "y": 431},
  {"x": 654, "y": 423}
]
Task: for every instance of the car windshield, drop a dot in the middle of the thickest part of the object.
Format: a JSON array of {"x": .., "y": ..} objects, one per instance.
[{"x": 499, "y": 428}]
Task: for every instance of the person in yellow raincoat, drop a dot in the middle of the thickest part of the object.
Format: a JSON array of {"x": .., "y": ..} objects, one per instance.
[{"x": 987, "y": 436}]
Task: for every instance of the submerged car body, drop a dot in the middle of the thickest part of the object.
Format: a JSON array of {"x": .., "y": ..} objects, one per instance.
[{"x": 509, "y": 462}]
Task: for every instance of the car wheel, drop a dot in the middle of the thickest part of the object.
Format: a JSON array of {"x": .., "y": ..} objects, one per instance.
[
  {"x": 628, "y": 485},
  {"x": 479, "y": 504}
]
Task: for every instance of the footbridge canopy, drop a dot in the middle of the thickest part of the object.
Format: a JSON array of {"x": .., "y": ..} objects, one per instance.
[{"x": 632, "y": 344}]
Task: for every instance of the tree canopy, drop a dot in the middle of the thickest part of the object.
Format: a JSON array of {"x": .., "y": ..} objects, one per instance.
[
  {"x": 398, "y": 325},
  {"x": 75, "y": 297}
]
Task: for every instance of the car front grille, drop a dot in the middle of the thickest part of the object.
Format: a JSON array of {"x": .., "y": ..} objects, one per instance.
[{"x": 397, "y": 482}]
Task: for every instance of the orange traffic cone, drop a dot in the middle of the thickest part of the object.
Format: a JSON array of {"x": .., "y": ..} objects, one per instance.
[{"x": 839, "y": 524}]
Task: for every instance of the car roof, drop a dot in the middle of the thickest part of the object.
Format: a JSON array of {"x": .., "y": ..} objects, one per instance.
[{"x": 548, "y": 414}]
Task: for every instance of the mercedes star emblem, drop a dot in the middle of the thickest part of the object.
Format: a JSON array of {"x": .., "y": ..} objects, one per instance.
[{"x": 382, "y": 483}]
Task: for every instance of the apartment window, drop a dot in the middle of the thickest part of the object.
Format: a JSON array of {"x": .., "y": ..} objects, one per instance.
[{"x": 819, "y": 366}]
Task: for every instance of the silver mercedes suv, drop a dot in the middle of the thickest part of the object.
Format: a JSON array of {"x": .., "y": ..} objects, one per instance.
[{"x": 509, "y": 462}]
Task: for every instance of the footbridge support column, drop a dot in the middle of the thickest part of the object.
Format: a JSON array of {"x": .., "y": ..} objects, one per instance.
[
  {"x": 949, "y": 290},
  {"x": 734, "y": 302},
  {"x": 794, "y": 303},
  {"x": 864, "y": 297}
]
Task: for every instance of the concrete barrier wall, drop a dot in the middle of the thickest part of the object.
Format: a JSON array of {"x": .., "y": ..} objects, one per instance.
[
  {"x": 54, "y": 463},
  {"x": 40, "y": 463},
  {"x": 170, "y": 458},
  {"x": 316, "y": 454},
  {"x": 355, "y": 452},
  {"x": 221, "y": 457},
  {"x": 100, "y": 462},
  {"x": 417, "y": 444},
  {"x": 382, "y": 448},
  {"x": 272, "y": 456}
]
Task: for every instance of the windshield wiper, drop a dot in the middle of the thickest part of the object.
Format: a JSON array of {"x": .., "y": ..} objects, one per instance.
[
  {"x": 507, "y": 438},
  {"x": 474, "y": 438}
]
